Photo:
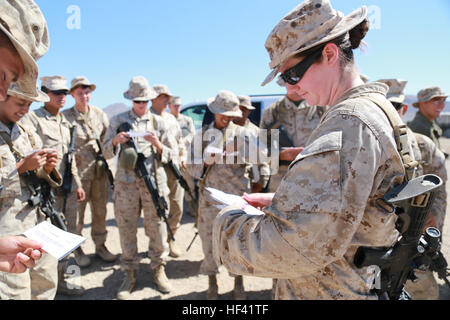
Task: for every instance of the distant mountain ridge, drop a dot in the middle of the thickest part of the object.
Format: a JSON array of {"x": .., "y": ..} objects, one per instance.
[{"x": 115, "y": 109}]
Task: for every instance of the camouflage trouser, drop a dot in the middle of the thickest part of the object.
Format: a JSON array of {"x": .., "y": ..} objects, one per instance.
[
  {"x": 425, "y": 288},
  {"x": 38, "y": 283},
  {"x": 176, "y": 197},
  {"x": 187, "y": 197},
  {"x": 275, "y": 179},
  {"x": 71, "y": 210},
  {"x": 71, "y": 219},
  {"x": 97, "y": 194},
  {"x": 129, "y": 199},
  {"x": 206, "y": 215}
]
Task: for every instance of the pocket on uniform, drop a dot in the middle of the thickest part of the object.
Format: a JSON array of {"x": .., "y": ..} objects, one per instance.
[
  {"x": 313, "y": 182},
  {"x": 50, "y": 135}
]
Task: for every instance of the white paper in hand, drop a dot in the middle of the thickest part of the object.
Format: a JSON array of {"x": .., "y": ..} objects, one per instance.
[
  {"x": 135, "y": 134},
  {"x": 57, "y": 242},
  {"x": 230, "y": 199}
]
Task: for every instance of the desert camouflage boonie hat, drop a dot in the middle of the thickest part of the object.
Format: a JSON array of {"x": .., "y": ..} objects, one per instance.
[
  {"x": 140, "y": 90},
  {"x": 175, "y": 101},
  {"x": 427, "y": 94},
  {"x": 310, "y": 24},
  {"x": 396, "y": 89},
  {"x": 81, "y": 81},
  {"x": 225, "y": 103},
  {"x": 246, "y": 102},
  {"x": 162, "y": 89},
  {"x": 14, "y": 90},
  {"x": 54, "y": 83},
  {"x": 23, "y": 23}
]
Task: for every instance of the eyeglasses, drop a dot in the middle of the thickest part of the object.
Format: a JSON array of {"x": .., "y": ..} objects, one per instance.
[
  {"x": 140, "y": 102},
  {"x": 59, "y": 92},
  {"x": 295, "y": 74}
]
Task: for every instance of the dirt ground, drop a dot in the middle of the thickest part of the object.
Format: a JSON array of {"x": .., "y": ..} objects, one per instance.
[{"x": 101, "y": 280}]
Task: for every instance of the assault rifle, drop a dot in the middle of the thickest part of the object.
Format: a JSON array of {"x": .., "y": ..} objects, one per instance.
[
  {"x": 412, "y": 202},
  {"x": 66, "y": 187},
  {"x": 42, "y": 196},
  {"x": 142, "y": 172},
  {"x": 101, "y": 158},
  {"x": 183, "y": 183}
]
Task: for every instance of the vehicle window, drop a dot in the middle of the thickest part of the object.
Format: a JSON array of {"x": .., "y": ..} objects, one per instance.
[
  {"x": 255, "y": 116},
  {"x": 196, "y": 113}
]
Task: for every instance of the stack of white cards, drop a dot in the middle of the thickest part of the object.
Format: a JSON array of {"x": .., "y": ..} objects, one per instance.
[
  {"x": 230, "y": 199},
  {"x": 57, "y": 242}
]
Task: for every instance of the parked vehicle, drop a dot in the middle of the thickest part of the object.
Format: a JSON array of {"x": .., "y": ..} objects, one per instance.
[{"x": 201, "y": 115}]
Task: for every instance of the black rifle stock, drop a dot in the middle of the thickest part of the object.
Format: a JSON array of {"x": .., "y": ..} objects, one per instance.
[
  {"x": 142, "y": 172},
  {"x": 66, "y": 187},
  {"x": 412, "y": 202},
  {"x": 101, "y": 158},
  {"x": 42, "y": 196}
]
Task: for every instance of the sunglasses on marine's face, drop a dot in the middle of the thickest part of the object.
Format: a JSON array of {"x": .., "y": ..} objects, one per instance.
[
  {"x": 60, "y": 92},
  {"x": 295, "y": 74},
  {"x": 140, "y": 102}
]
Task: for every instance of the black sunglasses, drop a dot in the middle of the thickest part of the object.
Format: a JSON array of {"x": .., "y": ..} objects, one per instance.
[
  {"x": 295, "y": 74},
  {"x": 140, "y": 102},
  {"x": 60, "y": 92}
]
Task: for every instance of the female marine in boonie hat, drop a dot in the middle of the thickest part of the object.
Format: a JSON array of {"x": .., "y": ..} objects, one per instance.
[
  {"x": 213, "y": 167},
  {"x": 24, "y": 155},
  {"x": 324, "y": 208}
]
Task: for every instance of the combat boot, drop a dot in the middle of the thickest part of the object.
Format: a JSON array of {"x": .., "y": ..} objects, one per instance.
[
  {"x": 175, "y": 252},
  {"x": 127, "y": 285},
  {"x": 213, "y": 290},
  {"x": 161, "y": 279},
  {"x": 82, "y": 260},
  {"x": 102, "y": 252},
  {"x": 239, "y": 291}
]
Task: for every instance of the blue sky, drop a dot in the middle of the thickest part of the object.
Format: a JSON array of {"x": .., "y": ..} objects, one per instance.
[{"x": 198, "y": 47}]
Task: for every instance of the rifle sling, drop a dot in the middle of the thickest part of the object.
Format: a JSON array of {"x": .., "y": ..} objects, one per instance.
[{"x": 400, "y": 135}]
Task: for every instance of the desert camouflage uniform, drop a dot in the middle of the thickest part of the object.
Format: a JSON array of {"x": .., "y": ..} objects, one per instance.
[
  {"x": 91, "y": 126},
  {"x": 187, "y": 131},
  {"x": 16, "y": 217},
  {"x": 263, "y": 169},
  {"x": 229, "y": 178},
  {"x": 176, "y": 194},
  {"x": 54, "y": 131},
  {"x": 131, "y": 195},
  {"x": 298, "y": 122},
  {"x": 324, "y": 208},
  {"x": 432, "y": 162},
  {"x": 420, "y": 124}
]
